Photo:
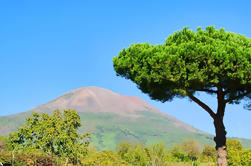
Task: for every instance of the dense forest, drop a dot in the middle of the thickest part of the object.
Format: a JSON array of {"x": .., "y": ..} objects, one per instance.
[{"x": 55, "y": 140}]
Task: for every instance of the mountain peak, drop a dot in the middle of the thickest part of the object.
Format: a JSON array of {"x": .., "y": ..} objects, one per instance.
[
  {"x": 99, "y": 100},
  {"x": 95, "y": 99}
]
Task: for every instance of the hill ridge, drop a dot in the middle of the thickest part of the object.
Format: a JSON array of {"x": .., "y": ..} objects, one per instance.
[{"x": 111, "y": 117}]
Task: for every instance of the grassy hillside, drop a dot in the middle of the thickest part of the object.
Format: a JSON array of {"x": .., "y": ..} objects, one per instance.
[
  {"x": 109, "y": 129},
  {"x": 112, "y": 118}
]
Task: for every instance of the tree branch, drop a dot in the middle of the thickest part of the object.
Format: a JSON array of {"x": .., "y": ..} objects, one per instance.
[
  {"x": 203, "y": 105},
  {"x": 232, "y": 89},
  {"x": 237, "y": 97}
]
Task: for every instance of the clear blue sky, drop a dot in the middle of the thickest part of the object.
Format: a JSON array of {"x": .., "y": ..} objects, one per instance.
[{"x": 50, "y": 47}]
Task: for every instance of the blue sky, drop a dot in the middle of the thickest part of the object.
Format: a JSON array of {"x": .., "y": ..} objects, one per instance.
[{"x": 50, "y": 47}]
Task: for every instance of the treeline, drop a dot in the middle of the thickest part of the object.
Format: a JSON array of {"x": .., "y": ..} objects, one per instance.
[{"x": 54, "y": 140}]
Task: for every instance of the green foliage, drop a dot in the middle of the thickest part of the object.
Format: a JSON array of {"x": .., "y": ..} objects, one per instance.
[
  {"x": 188, "y": 62},
  {"x": 189, "y": 149},
  {"x": 3, "y": 143},
  {"x": 123, "y": 148},
  {"x": 180, "y": 157},
  {"x": 208, "y": 154},
  {"x": 157, "y": 154},
  {"x": 105, "y": 158},
  {"x": 137, "y": 155},
  {"x": 245, "y": 157},
  {"x": 127, "y": 155},
  {"x": 140, "y": 155},
  {"x": 233, "y": 144},
  {"x": 55, "y": 135},
  {"x": 5, "y": 158},
  {"x": 236, "y": 155}
]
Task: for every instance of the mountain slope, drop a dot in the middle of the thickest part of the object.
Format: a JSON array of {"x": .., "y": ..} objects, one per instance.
[{"x": 112, "y": 118}]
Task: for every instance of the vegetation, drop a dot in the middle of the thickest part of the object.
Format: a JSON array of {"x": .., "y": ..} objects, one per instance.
[
  {"x": 236, "y": 155},
  {"x": 147, "y": 127},
  {"x": 33, "y": 144},
  {"x": 3, "y": 143},
  {"x": 55, "y": 135},
  {"x": 128, "y": 154},
  {"x": 212, "y": 61}
]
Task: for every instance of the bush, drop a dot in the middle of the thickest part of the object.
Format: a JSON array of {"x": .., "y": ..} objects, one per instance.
[
  {"x": 56, "y": 134},
  {"x": 236, "y": 155},
  {"x": 208, "y": 154},
  {"x": 3, "y": 143},
  {"x": 103, "y": 158},
  {"x": 21, "y": 159}
]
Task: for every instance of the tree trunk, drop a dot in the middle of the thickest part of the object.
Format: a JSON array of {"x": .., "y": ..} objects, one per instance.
[
  {"x": 66, "y": 162},
  {"x": 220, "y": 141},
  {"x": 220, "y": 138},
  {"x": 13, "y": 157}
]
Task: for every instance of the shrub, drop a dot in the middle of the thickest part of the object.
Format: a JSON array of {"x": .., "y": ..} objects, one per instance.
[{"x": 103, "y": 158}]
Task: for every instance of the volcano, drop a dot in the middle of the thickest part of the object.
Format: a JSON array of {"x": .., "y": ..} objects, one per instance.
[{"x": 112, "y": 118}]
